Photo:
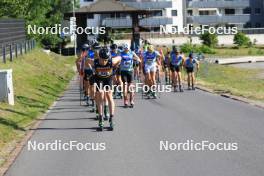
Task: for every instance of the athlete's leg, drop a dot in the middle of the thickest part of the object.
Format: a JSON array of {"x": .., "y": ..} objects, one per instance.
[
  {"x": 106, "y": 107},
  {"x": 193, "y": 79},
  {"x": 111, "y": 102},
  {"x": 125, "y": 87},
  {"x": 100, "y": 103},
  {"x": 109, "y": 97}
]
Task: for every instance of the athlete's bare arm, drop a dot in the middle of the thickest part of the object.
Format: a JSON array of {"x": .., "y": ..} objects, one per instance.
[{"x": 116, "y": 60}]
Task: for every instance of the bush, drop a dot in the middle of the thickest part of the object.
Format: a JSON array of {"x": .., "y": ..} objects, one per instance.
[
  {"x": 209, "y": 40},
  {"x": 187, "y": 48},
  {"x": 260, "y": 52},
  {"x": 206, "y": 50},
  {"x": 241, "y": 39}
]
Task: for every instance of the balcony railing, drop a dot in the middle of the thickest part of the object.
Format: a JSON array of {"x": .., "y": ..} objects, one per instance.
[
  {"x": 219, "y": 4},
  {"x": 150, "y": 4},
  {"x": 127, "y": 22},
  {"x": 214, "y": 19}
]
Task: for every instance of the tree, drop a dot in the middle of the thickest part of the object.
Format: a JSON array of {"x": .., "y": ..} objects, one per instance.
[
  {"x": 44, "y": 13},
  {"x": 240, "y": 39},
  {"x": 209, "y": 39}
]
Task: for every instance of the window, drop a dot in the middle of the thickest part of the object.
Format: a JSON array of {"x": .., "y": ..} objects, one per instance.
[
  {"x": 257, "y": 25},
  {"x": 257, "y": 11},
  {"x": 229, "y": 11},
  {"x": 247, "y": 25},
  {"x": 247, "y": 10},
  {"x": 174, "y": 13},
  {"x": 190, "y": 13},
  {"x": 157, "y": 13},
  {"x": 90, "y": 16}
]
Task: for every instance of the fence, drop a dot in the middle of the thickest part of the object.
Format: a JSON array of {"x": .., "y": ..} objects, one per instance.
[
  {"x": 13, "y": 40},
  {"x": 12, "y": 50}
]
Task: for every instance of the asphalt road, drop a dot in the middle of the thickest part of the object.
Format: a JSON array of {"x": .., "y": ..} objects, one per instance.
[{"x": 133, "y": 149}]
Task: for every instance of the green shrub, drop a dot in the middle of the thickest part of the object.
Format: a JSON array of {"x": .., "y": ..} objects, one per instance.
[
  {"x": 260, "y": 52},
  {"x": 206, "y": 50},
  {"x": 240, "y": 39},
  {"x": 187, "y": 48},
  {"x": 209, "y": 40}
]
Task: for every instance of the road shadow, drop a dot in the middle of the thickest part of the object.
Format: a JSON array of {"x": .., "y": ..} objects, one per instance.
[
  {"x": 93, "y": 129},
  {"x": 55, "y": 119},
  {"x": 11, "y": 124},
  {"x": 30, "y": 102},
  {"x": 17, "y": 112}
]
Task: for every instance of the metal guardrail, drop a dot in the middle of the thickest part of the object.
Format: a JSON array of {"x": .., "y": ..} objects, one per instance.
[{"x": 14, "y": 49}]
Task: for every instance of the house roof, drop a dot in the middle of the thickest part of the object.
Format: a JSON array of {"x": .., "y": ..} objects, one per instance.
[{"x": 107, "y": 6}]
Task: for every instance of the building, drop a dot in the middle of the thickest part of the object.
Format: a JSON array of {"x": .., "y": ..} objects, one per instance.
[
  {"x": 167, "y": 13},
  {"x": 240, "y": 13}
]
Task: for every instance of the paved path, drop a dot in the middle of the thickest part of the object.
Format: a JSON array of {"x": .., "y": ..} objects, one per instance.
[{"x": 133, "y": 149}]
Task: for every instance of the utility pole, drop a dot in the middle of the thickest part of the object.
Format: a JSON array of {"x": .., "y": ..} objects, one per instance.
[{"x": 74, "y": 34}]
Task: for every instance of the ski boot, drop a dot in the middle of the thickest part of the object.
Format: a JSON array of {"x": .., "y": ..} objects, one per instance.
[
  {"x": 92, "y": 105},
  {"x": 106, "y": 112},
  {"x": 111, "y": 123},
  {"x": 97, "y": 114},
  {"x": 101, "y": 124},
  {"x": 181, "y": 89}
]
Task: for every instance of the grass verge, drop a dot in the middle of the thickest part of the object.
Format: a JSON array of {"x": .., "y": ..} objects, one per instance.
[
  {"x": 234, "y": 52},
  {"x": 237, "y": 81},
  {"x": 38, "y": 80}
]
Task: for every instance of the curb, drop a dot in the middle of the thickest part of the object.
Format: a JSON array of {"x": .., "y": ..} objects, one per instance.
[
  {"x": 233, "y": 97},
  {"x": 17, "y": 149}
]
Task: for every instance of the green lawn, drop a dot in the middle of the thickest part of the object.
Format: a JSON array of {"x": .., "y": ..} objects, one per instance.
[
  {"x": 241, "y": 82},
  {"x": 233, "y": 52},
  {"x": 38, "y": 80}
]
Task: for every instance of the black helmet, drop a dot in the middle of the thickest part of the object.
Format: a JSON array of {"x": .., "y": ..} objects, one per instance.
[
  {"x": 113, "y": 47},
  {"x": 104, "y": 53},
  {"x": 96, "y": 46},
  {"x": 85, "y": 47}
]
